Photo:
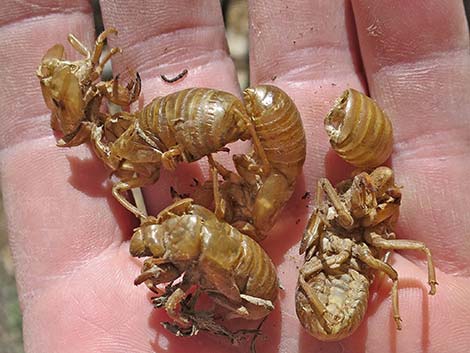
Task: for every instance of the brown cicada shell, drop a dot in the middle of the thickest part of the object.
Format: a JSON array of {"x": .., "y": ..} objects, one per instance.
[
  {"x": 188, "y": 239},
  {"x": 73, "y": 91},
  {"x": 181, "y": 127},
  {"x": 346, "y": 243},
  {"x": 359, "y": 131},
  {"x": 252, "y": 199}
]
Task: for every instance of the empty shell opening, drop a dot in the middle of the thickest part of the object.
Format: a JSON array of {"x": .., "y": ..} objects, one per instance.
[{"x": 335, "y": 118}]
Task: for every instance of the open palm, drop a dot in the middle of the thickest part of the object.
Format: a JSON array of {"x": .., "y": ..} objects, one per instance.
[{"x": 70, "y": 238}]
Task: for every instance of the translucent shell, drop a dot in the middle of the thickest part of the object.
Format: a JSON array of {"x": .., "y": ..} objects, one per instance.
[
  {"x": 279, "y": 127},
  {"x": 359, "y": 131},
  {"x": 199, "y": 120}
]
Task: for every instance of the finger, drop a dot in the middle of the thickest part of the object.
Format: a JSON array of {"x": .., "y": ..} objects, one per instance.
[
  {"x": 309, "y": 49},
  {"x": 41, "y": 189},
  {"x": 416, "y": 56},
  {"x": 164, "y": 38}
]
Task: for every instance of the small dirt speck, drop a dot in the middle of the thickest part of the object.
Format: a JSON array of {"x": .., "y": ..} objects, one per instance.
[{"x": 194, "y": 183}]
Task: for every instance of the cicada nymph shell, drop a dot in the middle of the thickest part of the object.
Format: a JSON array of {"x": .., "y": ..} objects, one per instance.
[
  {"x": 278, "y": 125},
  {"x": 229, "y": 266},
  {"x": 252, "y": 198},
  {"x": 200, "y": 121},
  {"x": 348, "y": 240},
  {"x": 359, "y": 131},
  {"x": 281, "y": 134},
  {"x": 73, "y": 90}
]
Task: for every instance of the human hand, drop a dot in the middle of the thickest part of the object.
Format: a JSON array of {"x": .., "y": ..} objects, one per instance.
[{"x": 70, "y": 238}]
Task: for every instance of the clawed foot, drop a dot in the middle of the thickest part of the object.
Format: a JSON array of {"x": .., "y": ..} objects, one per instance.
[{"x": 170, "y": 158}]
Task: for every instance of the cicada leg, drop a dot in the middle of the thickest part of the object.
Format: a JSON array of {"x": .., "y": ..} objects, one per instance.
[
  {"x": 257, "y": 145},
  {"x": 219, "y": 201},
  {"x": 252, "y": 306},
  {"x": 122, "y": 186},
  {"x": 383, "y": 213},
  {"x": 157, "y": 270},
  {"x": 224, "y": 172},
  {"x": 99, "y": 45},
  {"x": 315, "y": 227},
  {"x": 100, "y": 67},
  {"x": 344, "y": 216},
  {"x": 364, "y": 254},
  {"x": 315, "y": 303},
  {"x": 377, "y": 241},
  {"x": 118, "y": 94},
  {"x": 170, "y": 158},
  {"x": 266, "y": 304},
  {"x": 237, "y": 310},
  {"x": 78, "y": 46},
  {"x": 173, "y": 301}
]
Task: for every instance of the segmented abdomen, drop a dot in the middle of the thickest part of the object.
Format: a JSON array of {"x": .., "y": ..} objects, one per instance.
[
  {"x": 200, "y": 120},
  {"x": 279, "y": 127},
  {"x": 255, "y": 273},
  {"x": 345, "y": 297},
  {"x": 244, "y": 258},
  {"x": 359, "y": 131}
]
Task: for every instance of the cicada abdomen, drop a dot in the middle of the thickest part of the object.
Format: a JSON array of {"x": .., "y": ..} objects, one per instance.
[
  {"x": 200, "y": 121},
  {"x": 359, "y": 131}
]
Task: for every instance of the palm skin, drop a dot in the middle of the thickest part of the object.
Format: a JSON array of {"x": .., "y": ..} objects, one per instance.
[{"x": 70, "y": 238}]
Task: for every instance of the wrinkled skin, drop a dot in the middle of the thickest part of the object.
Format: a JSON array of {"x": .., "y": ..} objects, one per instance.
[{"x": 69, "y": 238}]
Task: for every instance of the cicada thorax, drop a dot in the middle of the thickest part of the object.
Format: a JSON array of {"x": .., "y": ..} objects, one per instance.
[
  {"x": 359, "y": 131},
  {"x": 279, "y": 127},
  {"x": 200, "y": 121}
]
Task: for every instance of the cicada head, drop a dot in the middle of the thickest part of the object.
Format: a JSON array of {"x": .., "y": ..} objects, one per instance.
[{"x": 148, "y": 240}]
